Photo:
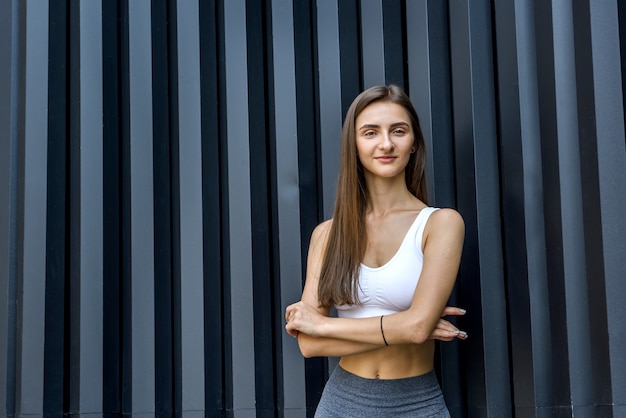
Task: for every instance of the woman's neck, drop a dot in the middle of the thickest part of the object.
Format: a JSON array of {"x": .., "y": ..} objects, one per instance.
[{"x": 387, "y": 195}]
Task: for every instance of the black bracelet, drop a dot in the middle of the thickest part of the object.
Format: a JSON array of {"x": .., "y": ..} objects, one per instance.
[{"x": 381, "y": 330}]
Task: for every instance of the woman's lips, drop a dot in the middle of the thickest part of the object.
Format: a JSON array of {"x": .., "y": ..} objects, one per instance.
[{"x": 386, "y": 159}]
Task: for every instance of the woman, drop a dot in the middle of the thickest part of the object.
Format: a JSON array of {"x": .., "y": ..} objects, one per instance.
[{"x": 387, "y": 262}]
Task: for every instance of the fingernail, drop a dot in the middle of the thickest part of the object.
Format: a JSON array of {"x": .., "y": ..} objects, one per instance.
[
  {"x": 457, "y": 332},
  {"x": 462, "y": 311},
  {"x": 463, "y": 334}
]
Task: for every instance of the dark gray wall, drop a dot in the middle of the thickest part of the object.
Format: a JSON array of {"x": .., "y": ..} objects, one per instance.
[{"x": 164, "y": 162}]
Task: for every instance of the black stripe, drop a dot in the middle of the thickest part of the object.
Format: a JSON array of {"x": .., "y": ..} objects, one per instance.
[
  {"x": 164, "y": 388},
  {"x": 117, "y": 336},
  {"x": 559, "y": 355},
  {"x": 213, "y": 165},
  {"x": 125, "y": 295},
  {"x": 441, "y": 102},
  {"x": 350, "y": 57},
  {"x": 172, "y": 45},
  {"x": 394, "y": 37},
  {"x": 56, "y": 226},
  {"x": 72, "y": 293},
  {"x": 225, "y": 212},
  {"x": 262, "y": 162}
]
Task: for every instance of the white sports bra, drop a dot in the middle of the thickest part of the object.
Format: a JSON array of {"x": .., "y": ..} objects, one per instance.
[{"x": 389, "y": 288}]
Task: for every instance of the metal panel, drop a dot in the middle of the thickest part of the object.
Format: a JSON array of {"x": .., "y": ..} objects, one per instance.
[
  {"x": 214, "y": 221},
  {"x": 329, "y": 98},
  {"x": 557, "y": 356},
  {"x": 142, "y": 208},
  {"x": 293, "y": 383},
  {"x": 33, "y": 174},
  {"x": 190, "y": 178},
  {"x": 91, "y": 204},
  {"x": 166, "y": 228},
  {"x": 241, "y": 299},
  {"x": 534, "y": 229},
  {"x": 571, "y": 200},
  {"x": 61, "y": 251},
  {"x": 394, "y": 39},
  {"x": 372, "y": 40},
  {"x": 349, "y": 17},
  {"x": 609, "y": 134},
  {"x": 9, "y": 89}
]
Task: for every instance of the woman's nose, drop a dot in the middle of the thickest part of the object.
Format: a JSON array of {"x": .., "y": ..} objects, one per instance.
[{"x": 386, "y": 142}]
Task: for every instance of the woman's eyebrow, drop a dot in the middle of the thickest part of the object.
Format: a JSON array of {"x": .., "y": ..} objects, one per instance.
[{"x": 373, "y": 126}]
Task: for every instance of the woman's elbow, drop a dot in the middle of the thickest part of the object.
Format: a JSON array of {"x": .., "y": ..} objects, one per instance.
[
  {"x": 307, "y": 346},
  {"x": 419, "y": 332}
]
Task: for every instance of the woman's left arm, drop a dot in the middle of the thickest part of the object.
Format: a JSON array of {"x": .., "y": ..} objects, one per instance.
[{"x": 442, "y": 244}]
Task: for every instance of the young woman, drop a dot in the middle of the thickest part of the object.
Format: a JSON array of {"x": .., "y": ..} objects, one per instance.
[{"x": 387, "y": 262}]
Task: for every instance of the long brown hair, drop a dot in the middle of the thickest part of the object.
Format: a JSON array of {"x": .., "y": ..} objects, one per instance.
[{"x": 347, "y": 238}]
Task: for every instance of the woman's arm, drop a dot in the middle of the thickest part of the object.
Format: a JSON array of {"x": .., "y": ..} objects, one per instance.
[
  {"x": 334, "y": 347},
  {"x": 443, "y": 242},
  {"x": 319, "y": 346}
]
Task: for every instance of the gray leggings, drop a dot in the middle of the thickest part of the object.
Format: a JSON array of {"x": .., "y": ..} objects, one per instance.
[{"x": 347, "y": 395}]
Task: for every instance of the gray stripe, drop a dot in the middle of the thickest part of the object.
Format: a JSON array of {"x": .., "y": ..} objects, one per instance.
[
  {"x": 609, "y": 123},
  {"x": 372, "y": 38},
  {"x": 91, "y": 207},
  {"x": 330, "y": 99},
  {"x": 288, "y": 198},
  {"x": 190, "y": 176},
  {"x": 241, "y": 300},
  {"x": 142, "y": 207},
  {"x": 31, "y": 317}
]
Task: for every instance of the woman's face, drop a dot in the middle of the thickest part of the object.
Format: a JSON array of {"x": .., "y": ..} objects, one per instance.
[{"x": 384, "y": 139}]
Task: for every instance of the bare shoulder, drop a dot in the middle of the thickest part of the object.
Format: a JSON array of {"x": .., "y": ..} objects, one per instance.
[
  {"x": 447, "y": 216},
  {"x": 445, "y": 221},
  {"x": 322, "y": 229},
  {"x": 320, "y": 234}
]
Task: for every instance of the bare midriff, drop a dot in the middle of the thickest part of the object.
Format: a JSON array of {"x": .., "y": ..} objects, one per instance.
[{"x": 392, "y": 362}]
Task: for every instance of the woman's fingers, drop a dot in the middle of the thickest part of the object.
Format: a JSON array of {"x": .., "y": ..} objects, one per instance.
[
  {"x": 445, "y": 335},
  {"x": 446, "y": 325},
  {"x": 446, "y": 331},
  {"x": 289, "y": 314},
  {"x": 453, "y": 310},
  {"x": 301, "y": 318},
  {"x": 291, "y": 331},
  {"x": 291, "y": 310}
]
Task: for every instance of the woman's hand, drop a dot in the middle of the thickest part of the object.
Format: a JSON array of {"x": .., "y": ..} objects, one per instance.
[
  {"x": 446, "y": 331},
  {"x": 303, "y": 318}
]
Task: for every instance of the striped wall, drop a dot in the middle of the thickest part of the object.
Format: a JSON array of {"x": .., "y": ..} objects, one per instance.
[{"x": 163, "y": 164}]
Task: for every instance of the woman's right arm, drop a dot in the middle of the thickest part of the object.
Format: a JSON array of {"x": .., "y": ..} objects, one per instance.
[{"x": 319, "y": 346}]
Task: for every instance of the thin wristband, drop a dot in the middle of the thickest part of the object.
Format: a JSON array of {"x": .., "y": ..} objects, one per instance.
[{"x": 381, "y": 330}]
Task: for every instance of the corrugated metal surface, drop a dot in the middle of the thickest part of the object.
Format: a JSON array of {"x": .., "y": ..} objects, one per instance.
[{"x": 164, "y": 162}]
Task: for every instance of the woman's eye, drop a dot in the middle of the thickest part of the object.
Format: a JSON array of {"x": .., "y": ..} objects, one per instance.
[{"x": 399, "y": 132}]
